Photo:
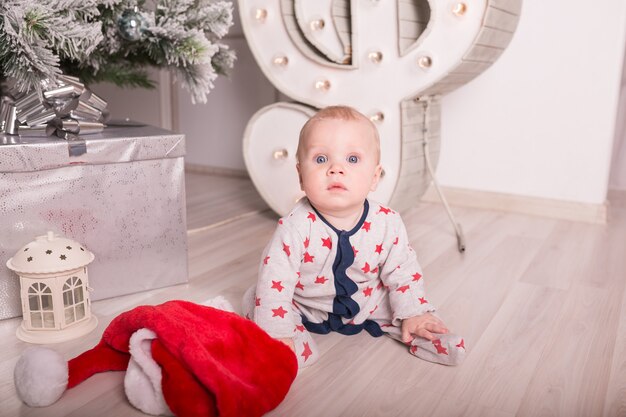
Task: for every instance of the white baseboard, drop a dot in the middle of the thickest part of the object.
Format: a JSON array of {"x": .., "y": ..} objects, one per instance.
[
  {"x": 558, "y": 209},
  {"x": 226, "y": 172}
]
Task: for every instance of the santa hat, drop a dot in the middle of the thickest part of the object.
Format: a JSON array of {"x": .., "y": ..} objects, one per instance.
[{"x": 181, "y": 358}]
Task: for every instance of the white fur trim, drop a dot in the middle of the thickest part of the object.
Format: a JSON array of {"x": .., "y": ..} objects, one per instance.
[
  {"x": 142, "y": 382},
  {"x": 40, "y": 376},
  {"x": 219, "y": 302}
]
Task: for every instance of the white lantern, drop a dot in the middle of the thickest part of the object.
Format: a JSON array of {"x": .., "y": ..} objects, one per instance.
[{"x": 54, "y": 289}]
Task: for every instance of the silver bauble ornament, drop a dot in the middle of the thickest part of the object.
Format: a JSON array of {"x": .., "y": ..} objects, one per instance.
[{"x": 132, "y": 25}]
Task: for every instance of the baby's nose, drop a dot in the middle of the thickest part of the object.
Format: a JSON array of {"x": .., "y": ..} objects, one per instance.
[{"x": 335, "y": 169}]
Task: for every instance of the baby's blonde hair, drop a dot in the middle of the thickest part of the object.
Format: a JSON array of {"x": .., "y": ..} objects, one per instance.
[{"x": 336, "y": 113}]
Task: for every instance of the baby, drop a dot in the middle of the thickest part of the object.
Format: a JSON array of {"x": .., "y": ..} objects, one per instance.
[{"x": 339, "y": 261}]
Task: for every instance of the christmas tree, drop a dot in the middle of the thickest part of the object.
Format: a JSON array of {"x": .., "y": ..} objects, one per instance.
[{"x": 115, "y": 41}]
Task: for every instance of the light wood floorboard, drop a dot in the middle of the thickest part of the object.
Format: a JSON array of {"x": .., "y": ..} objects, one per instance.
[
  {"x": 212, "y": 199},
  {"x": 615, "y": 402},
  {"x": 541, "y": 303}
]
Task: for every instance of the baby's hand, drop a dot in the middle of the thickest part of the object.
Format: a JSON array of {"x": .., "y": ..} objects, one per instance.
[
  {"x": 289, "y": 342},
  {"x": 423, "y": 326}
]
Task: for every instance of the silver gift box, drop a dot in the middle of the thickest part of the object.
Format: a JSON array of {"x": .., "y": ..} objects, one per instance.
[{"x": 124, "y": 199}]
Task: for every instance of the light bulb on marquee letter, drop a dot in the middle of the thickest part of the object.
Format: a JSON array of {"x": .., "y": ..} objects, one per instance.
[{"x": 430, "y": 47}]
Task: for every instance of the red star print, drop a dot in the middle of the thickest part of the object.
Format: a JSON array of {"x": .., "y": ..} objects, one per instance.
[
  {"x": 300, "y": 328},
  {"x": 416, "y": 276},
  {"x": 298, "y": 273},
  {"x": 379, "y": 286},
  {"x": 280, "y": 311},
  {"x": 277, "y": 285},
  {"x": 395, "y": 242},
  {"x": 379, "y": 248},
  {"x": 327, "y": 242},
  {"x": 267, "y": 258},
  {"x": 321, "y": 280},
  {"x": 366, "y": 268},
  {"x": 286, "y": 249},
  {"x": 413, "y": 349},
  {"x": 423, "y": 300},
  {"x": 257, "y": 301},
  {"x": 306, "y": 352},
  {"x": 403, "y": 288},
  {"x": 461, "y": 345},
  {"x": 306, "y": 243},
  {"x": 355, "y": 251},
  {"x": 367, "y": 292},
  {"x": 311, "y": 216},
  {"x": 366, "y": 226},
  {"x": 299, "y": 285},
  {"x": 440, "y": 349},
  {"x": 308, "y": 258},
  {"x": 375, "y": 270},
  {"x": 383, "y": 210},
  {"x": 280, "y": 221}
]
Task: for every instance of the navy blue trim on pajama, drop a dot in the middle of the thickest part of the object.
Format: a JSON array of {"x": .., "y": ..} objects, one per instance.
[{"x": 343, "y": 304}]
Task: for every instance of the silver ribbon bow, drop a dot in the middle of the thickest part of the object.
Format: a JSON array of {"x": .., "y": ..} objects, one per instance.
[{"x": 64, "y": 109}]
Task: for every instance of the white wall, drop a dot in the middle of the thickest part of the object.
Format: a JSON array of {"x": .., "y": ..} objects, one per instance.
[
  {"x": 138, "y": 104},
  {"x": 617, "y": 179},
  {"x": 214, "y": 130},
  {"x": 540, "y": 122}
]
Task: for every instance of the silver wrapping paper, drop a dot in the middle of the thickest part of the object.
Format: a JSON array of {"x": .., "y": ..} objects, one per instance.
[{"x": 124, "y": 199}]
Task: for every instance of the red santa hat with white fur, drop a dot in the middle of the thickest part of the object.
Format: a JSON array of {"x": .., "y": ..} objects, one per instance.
[{"x": 180, "y": 359}]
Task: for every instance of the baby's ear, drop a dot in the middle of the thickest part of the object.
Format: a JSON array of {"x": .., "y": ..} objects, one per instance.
[
  {"x": 378, "y": 173},
  {"x": 299, "y": 175}
]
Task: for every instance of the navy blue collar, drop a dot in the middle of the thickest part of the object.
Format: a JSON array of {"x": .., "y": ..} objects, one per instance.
[{"x": 359, "y": 224}]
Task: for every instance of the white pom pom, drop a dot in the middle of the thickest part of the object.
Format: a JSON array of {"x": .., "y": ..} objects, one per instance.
[
  {"x": 220, "y": 303},
  {"x": 40, "y": 376}
]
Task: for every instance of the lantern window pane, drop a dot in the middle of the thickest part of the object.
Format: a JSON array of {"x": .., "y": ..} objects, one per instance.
[
  {"x": 78, "y": 294},
  {"x": 46, "y": 289},
  {"x": 80, "y": 311},
  {"x": 32, "y": 289},
  {"x": 68, "y": 298},
  {"x": 33, "y": 303},
  {"x": 46, "y": 302},
  {"x": 35, "y": 320},
  {"x": 69, "y": 315},
  {"x": 66, "y": 286},
  {"x": 48, "y": 320}
]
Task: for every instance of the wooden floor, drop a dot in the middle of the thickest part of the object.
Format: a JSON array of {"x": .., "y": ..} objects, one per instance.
[{"x": 541, "y": 303}]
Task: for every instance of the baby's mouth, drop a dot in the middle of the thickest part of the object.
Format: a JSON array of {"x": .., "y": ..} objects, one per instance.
[{"x": 335, "y": 186}]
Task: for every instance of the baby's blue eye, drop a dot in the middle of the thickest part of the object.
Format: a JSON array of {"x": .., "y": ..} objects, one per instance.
[
  {"x": 321, "y": 159},
  {"x": 353, "y": 159}
]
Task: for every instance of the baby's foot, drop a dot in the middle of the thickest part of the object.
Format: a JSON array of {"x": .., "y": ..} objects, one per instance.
[
  {"x": 447, "y": 349},
  {"x": 306, "y": 352}
]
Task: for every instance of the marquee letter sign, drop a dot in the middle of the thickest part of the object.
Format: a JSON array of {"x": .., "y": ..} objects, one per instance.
[{"x": 391, "y": 60}]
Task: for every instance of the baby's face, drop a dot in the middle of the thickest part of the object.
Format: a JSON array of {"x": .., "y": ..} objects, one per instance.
[{"x": 338, "y": 165}]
